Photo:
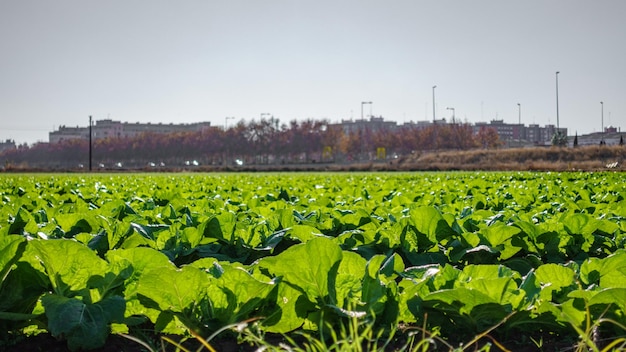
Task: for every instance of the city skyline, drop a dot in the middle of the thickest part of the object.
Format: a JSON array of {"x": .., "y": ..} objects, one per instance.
[
  {"x": 108, "y": 128},
  {"x": 212, "y": 61}
]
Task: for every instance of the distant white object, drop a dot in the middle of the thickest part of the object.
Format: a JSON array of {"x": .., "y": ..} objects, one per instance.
[{"x": 612, "y": 165}]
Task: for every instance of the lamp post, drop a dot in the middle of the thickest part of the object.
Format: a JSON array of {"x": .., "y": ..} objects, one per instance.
[
  {"x": 434, "y": 145},
  {"x": 434, "y": 118},
  {"x": 602, "y": 121},
  {"x": 519, "y": 113},
  {"x": 226, "y": 122},
  {"x": 90, "y": 144},
  {"x": 557, "y": 101},
  {"x": 363, "y": 103},
  {"x": 452, "y": 113}
]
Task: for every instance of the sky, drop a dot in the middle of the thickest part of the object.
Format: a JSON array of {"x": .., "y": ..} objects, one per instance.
[{"x": 208, "y": 60}]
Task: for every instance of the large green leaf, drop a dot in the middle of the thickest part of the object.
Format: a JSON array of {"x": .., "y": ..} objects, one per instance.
[
  {"x": 312, "y": 267},
  {"x": 129, "y": 265},
  {"x": 464, "y": 299},
  {"x": 303, "y": 233},
  {"x": 173, "y": 289},
  {"x": 68, "y": 264},
  {"x": 611, "y": 296},
  {"x": 220, "y": 226},
  {"x": 578, "y": 223},
  {"x": 11, "y": 249},
  {"x": 349, "y": 282},
  {"x": 555, "y": 281},
  {"x": 499, "y": 233},
  {"x": 85, "y": 326},
  {"x": 292, "y": 310},
  {"x": 243, "y": 294},
  {"x": 613, "y": 271},
  {"x": 428, "y": 221},
  {"x": 23, "y": 223}
]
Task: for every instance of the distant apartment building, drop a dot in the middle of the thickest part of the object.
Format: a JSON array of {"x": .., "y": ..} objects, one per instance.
[
  {"x": 505, "y": 131},
  {"x": 518, "y": 132},
  {"x": 508, "y": 133},
  {"x": 542, "y": 135},
  {"x": 116, "y": 129},
  {"x": 6, "y": 145},
  {"x": 68, "y": 133},
  {"x": 423, "y": 124},
  {"x": 373, "y": 124},
  {"x": 610, "y": 136}
]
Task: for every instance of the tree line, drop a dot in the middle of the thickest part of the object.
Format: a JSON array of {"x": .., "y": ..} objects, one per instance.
[{"x": 264, "y": 141}]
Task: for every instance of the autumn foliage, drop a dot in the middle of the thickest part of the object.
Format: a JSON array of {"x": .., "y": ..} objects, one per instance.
[{"x": 264, "y": 141}]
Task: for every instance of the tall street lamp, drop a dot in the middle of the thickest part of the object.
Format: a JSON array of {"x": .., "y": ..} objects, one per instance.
[
  {"x": 90, "y": 144},
  {"x": 363, "y": 103},
  {"x": 519, "y": 113},
  {"x": 434, "y": 121},
  {"x": 602, "y": 120},
  {"x": 452, "y": 113},
  {"x": 434, "y": 118},
  {"x": 557, "y": 101},
  {"x": 226, "y": 122}
]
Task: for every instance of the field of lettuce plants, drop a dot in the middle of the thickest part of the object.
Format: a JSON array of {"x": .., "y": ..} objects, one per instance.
[{"x": 418, "y": 261}]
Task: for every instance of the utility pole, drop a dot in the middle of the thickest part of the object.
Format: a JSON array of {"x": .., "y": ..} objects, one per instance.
[
  {"x": 226, "y": 122},
  {"x": 363, "y": 103},
  {"x": 557, "y": 101},
  {"x": 434, "y": 118},
  {"x": 452, "y": 114},
  {"x": 602, "y": 119},
  {"x": 90, "y": 147},
  {"x": 434, "y": 121}
]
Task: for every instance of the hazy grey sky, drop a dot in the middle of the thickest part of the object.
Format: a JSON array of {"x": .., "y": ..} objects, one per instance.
[{"x": 203, "y": 60}]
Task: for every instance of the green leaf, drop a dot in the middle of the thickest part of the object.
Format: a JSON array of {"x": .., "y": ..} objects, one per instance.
[
  {"x": 292, "y": 310},
  {"x": 463, "y": 298},
  {"x": 499, "y": 233},
  {"x": 555, "y": 281},
  {"x": 23, "y": 222},
  {"x": 243, "y": 294},
  {"x": 611, "y": 296},
  {"x": 149, "y": 232},
  {"x": 579, "y": 224},
  {"x": 220, "y": 226},
  {"x": 303, "y": 233},
  {"x": 131, "y": 263},
  {"x": 11, "y": 249},
  {"x": 590, "y": 271},
  {"x": 173, "y": 289},
  {"x": 85, "y": 326},
  {"x": 613, "y": 271},
  {"x": 496, "y": 281},
  {"x": 532, "y": 232},
  {"x": 428, "y": 221},
  {"x": 312, "y": 267},
  {"x": 68, "y": 264},
  {"x": 348, "y": 284},
  {"x": 572, "y": 312}
]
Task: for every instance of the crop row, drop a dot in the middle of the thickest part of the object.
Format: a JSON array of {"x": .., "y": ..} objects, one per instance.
[{"x": 82, "y": 256}]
